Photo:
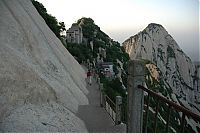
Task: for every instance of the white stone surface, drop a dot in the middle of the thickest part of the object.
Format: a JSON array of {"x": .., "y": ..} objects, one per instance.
[
  {"x": 42, "y": 118},
  {"x": 39, "y": 80}
]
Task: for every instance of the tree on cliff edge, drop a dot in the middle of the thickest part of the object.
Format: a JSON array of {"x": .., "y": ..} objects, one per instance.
[{"x": 50, "y": 20}]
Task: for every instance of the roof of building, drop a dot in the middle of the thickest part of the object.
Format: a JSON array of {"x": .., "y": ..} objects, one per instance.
[
  {"x": 74, "y": 27},
  {"x": 106, "y": 63}
]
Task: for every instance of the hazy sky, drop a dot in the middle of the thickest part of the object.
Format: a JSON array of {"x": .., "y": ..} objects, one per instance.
[{"x": 121, "y": 19}]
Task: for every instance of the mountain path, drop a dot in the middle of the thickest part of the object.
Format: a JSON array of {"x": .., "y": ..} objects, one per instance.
[{"x": 96, "y": 119}]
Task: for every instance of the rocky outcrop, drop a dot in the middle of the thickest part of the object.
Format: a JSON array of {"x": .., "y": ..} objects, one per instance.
[
  {"x": 41, "y": 84},
  {"x": 170, "y": 64}
]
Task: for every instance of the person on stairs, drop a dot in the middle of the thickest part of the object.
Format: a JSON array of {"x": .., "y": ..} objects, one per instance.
[{"x": 89, "y": 77}]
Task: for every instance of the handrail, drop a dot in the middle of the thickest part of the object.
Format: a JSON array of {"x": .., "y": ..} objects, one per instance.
[
  {"x": 176, "y": 106},
  {"x": 110, "y": 107},
  {"x": 110, "y": 102}
]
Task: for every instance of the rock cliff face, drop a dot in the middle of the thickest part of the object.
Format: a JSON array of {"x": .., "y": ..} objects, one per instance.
[
  {"x": 171, "y": 66},
  {"x": 41, "y": 84}
]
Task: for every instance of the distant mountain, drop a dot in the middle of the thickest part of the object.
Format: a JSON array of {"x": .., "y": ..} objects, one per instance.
[{"x": 171, "y": 71}]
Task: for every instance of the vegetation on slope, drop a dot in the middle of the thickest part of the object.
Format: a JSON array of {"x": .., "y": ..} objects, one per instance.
[
  {"x": 83, "y": 52},
  {"x": 50, "y": 20},
  {"x": 114, "y": 52}
]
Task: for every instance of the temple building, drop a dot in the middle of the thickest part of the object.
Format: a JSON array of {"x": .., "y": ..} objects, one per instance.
[{"x": 74, "y": 34}]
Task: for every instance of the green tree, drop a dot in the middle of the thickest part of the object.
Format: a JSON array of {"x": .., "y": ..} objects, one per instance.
[
  {"x": 62, "y": 27},
  {"x": 50, "y": 20},
  {"x": 88, "y": 27}
]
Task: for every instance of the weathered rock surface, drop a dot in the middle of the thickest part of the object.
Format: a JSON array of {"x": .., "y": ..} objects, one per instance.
[
  {"x": 170, "y": 64},
  {"x": 41, "y": 84}
]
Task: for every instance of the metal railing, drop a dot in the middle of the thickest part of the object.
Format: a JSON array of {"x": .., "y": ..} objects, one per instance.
[
  {"x": 185, "y": 111},
  {"x": 110, "y": 107}
]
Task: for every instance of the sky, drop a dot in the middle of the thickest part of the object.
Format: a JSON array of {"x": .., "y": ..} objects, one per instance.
[{"x": 121, "y": 19}]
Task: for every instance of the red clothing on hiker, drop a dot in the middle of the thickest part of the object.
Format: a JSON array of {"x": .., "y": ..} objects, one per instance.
[{"x": 89, "y": 74}]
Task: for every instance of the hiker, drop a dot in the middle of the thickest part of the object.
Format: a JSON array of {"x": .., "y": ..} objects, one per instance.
[{"x": 89, "y": 77}]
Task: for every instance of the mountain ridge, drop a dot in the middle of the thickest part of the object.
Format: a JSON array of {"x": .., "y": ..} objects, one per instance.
[{"x": 178, "y": 76}]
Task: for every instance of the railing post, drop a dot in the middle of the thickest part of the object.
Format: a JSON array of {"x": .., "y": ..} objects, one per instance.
[
  {"x": 101, "y": 94},
  {"x": 136, "y": 72},
  {"x": 118, "y": 110},
  {"x": 98, "y": 82}
]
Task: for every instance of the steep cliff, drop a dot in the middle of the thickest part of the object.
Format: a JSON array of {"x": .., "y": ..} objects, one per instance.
[
  {"x": 41, "y": 84},
  {"x": 168, "y": 65}
]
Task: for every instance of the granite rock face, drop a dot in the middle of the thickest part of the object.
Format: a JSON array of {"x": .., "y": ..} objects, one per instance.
[
  {"x": 168, "y": 63},
  {"x": 41, "y": 84}
]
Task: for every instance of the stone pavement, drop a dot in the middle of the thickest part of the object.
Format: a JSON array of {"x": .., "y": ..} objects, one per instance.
[{"x": 95, "y": 117}]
